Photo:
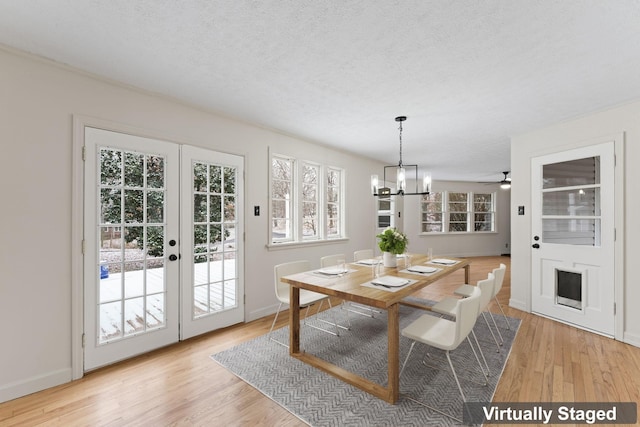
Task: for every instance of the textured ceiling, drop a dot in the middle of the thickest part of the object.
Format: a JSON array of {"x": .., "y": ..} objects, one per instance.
[{"x": 468, "y": 74}]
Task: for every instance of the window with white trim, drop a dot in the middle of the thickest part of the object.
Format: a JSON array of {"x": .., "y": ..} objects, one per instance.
[
  {"x": 432, "y": 213},
  {"x": 483, "y": 212},
  {"x": 281, "y": 199},
  {"x": 457, "y": 212},
  {"x": 310, "y": 201},
  {"x": 306, "y": 201},
  {"x": 334, "y": 205}
]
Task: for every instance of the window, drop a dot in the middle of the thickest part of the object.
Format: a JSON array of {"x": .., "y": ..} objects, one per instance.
[
  {"x": 432, "y": 213},
  {"x": 458, "y": 208},
  {"x": 306, "y": 201},
  {"x": 281, "y": 192},
  {"x": 310, "y": 175},
  {"x": 458, "y": 212},
  {"x": 333, "y": 202},
  {"x": 483, "y": 212},
  {"x": 571, "y": 202}
]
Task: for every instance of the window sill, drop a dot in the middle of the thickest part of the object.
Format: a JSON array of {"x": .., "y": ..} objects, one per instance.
[
  {"x": 307, "y": 243},
  {"x": 455, "y": 233}
]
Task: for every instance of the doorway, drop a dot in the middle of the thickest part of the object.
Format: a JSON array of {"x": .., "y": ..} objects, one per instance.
[
  {"x": 573, "y": 237},
  {"x": 162, "y": 260}
]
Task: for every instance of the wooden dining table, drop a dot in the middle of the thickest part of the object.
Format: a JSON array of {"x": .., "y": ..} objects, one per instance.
[{"x": 355, "y": 286}]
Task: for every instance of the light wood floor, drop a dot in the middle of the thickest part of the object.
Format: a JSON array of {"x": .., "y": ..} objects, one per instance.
[{"x": 180, "y": 385}]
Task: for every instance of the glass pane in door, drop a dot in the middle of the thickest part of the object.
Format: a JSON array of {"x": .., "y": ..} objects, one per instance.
[
  {"x": 571, "y": 173},
  {"x": 571, "y": 207},
  {"x": 215, "y": 272},
  {"x": 131, "y": 244}
]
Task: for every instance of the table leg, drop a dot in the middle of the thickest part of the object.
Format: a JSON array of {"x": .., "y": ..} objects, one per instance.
[
  {"x": 294, "y": 320},
  {"x": 467, "y": 269},
  {"x": 393, "y": 357}
]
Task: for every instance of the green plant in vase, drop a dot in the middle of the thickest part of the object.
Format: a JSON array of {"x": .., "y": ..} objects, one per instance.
[{"x": 391, "y": 242}]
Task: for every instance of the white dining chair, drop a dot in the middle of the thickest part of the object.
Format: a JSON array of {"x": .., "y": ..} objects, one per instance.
[
  {"x": 307, "y": 298},
  {"x": 446, "y": 335},
  {"x": 499, "y": 273},
  {"x": 448, "y": 305},
  {"x": 331, "y": 260},
  {"x": 362, "y": 254}
]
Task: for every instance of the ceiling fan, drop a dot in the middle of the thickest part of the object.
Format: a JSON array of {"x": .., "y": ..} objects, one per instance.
[{"x": 505, "y": 183}]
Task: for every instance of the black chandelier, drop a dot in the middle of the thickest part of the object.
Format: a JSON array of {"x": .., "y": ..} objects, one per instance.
[{"x": 401, "y": 176}]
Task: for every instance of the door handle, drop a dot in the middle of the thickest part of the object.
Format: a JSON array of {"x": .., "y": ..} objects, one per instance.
[
  {"x": 173, "y": 257},
  {"x": 535, "y": 246}
]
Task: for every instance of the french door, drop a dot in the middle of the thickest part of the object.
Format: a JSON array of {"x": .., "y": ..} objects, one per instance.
[
  {"x": 140, "y": 260},
  {"x": 212, "y": 280},
  {"x": 573, "y": 237}
]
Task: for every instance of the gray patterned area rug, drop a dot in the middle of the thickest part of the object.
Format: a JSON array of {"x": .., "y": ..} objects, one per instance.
[{"x": 319, "y": 399}]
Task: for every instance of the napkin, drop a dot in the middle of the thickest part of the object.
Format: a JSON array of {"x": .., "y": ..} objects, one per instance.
[
  {"x": 443, "y": 261},
  {"x": 390, "y": 281},
  {"x": 421, "y": 269}
]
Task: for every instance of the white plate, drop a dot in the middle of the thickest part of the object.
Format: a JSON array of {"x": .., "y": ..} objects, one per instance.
[
  {"x": 390, "y": 281},
  {"x": 421, "y": 269},
  {"x": 370, "y": 261},
  {"x": 332, "y": 271}
]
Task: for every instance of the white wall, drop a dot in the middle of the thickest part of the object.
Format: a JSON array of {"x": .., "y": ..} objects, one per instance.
[
  {"x": 462, "y": 244},
  {"x": 38, "y": 100},
  {"x": 567, "y": 135}
]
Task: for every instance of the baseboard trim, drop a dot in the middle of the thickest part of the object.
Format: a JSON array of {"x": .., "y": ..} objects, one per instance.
[
  {"x": 262, "y": 312},
  {"x": 631, "y": 339},
  {"x": 520, "y": 305},
  {"x": 34, "y": 384}
]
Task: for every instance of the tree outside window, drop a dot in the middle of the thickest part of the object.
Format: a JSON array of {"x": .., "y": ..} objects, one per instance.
[
  {"x": 281, "y": 198},
  {"x": 306, "y": 200},
  {"x": 333, "y": 202},
  {"x": 457, "y": 212},
  {"x": 310, "y": 195},
  {"x": 483, "y": 209},
  {"x": 432, "y": 216}
]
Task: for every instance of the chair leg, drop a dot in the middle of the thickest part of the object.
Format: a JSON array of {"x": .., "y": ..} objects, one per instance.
[
  {"x": 455, "y": 376},
  {"x": 471, "y": 370},
  {"x": 505, "y": 316},
  {"x": 342, "y": 307},
  {"x": 407, "y": 358},
  {"x": 497, "y": 329},
  {"x": 424, "y": 404},
  {"x": 491, "y": 330},
  {"x": 334, "y": 323},
  {"x": 274, "y": 319},
  {"x": 368, "y": 311},
  {"x": 273, "y": 324},
  {"x": 488, "y": 374}
]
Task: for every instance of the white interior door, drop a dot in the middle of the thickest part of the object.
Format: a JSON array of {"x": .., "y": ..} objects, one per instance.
[
  {"x": 211, "y": 241},
  {"x": 130, "y": 220},
  {"x": 573, "y": 237}
]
